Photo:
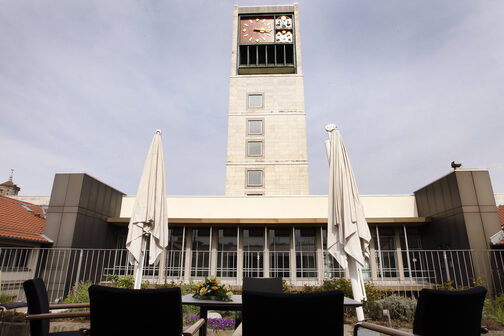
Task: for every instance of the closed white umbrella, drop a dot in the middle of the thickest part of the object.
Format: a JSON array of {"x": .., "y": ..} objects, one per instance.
[
  {"x": 149, "y": 218},
  {"x": 348, "y": 234}
]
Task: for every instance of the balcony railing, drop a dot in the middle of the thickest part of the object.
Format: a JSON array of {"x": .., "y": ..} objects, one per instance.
[{"x": 397, "y": 270}]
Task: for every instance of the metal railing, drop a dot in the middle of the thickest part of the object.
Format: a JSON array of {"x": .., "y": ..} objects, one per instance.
[{"x": 397, "y": 270}]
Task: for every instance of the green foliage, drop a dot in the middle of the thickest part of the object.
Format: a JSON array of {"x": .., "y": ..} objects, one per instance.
[
  {"x": 373, "y": 294},
  {"x": 494, "y": 309},
  {"x": 121, "y": 282},
  {"x": 338, "y": 284},
  {"x": 450, "y": 285},
  {"x": 184, "y": 288},
  {"x": 400, "y": 308},
  {"x": 286, "y": 288},
  {"x": 4, "y": 298},
  {"x": 126, "y": 281},
  {"x": 79, "y": 293}
]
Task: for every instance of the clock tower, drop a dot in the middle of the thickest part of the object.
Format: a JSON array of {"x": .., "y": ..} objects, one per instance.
[{"x": 266, "y": 151}]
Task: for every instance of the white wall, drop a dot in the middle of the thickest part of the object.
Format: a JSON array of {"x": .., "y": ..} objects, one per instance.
[{"x": 402, "y": 206}]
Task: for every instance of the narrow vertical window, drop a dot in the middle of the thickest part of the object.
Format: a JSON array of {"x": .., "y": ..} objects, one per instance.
[
  {"x": 254, "y": 127},
  {"x": 255, "y": 100},
  {"x": 254, "y": 178},
  {"x": 254, "y": 148}
]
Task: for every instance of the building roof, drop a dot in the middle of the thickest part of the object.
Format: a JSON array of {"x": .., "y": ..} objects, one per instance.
[
  {"x": 8, "y": 183},
  {"x": 500, "y": 210},
  {"x": 22, "y": 221}
]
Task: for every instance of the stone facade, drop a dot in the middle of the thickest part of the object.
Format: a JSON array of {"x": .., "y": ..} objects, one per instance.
[{"x": 283, "y": 160}]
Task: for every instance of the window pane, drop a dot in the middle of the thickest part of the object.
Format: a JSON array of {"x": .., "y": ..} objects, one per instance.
[
  {"x": 255, "y": 177},
  {"x": 174, "y": 253},
  {"x": 255, "y": 127},
  {"x": 255, "y": 101},
  {"x": 200, "y": 265},
  {"x": 253, "y": 252},
  {"x": 227, "y": 253},
  {"x": 254, "y": 148},
  {"x": 279, "y": 246},
  {"x": 306, "y": 255}
]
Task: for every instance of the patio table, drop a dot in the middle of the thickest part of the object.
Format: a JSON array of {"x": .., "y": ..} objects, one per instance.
[{"x": 235, "y": 304}]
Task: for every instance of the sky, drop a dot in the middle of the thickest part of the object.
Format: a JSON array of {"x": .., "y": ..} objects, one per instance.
[{"x": 84, "y": 85}]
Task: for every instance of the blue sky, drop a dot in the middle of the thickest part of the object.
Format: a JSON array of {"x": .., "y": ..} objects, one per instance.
[{"x": 412, "y": 85}]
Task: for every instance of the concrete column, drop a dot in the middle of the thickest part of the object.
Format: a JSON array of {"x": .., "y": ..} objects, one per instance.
[
  {"x": 292, "y": 256},
  {"x": 400, "y": 265},
  {"x": 372, "y": 260},
  {"x": 188, "y": 254},
  {"x": 266, "y": 257},
  {"x": 214, "y": 235},
  {"x": 320, "y": 256},
  {"x": 239, "y": 258}
]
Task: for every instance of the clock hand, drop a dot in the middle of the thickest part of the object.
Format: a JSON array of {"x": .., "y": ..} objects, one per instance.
[{"x": 262, "y": 30}]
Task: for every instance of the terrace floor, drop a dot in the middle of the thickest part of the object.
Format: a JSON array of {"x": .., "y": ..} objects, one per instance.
[{"x": 70, "y": 325}]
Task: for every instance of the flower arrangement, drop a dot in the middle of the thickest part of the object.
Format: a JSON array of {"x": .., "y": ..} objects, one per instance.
[{"x": 211, "y": 289}]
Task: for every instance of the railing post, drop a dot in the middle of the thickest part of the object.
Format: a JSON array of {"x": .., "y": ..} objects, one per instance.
[
  {"x": 79, "y": 265},
  {"x": 445, "y": 257}
]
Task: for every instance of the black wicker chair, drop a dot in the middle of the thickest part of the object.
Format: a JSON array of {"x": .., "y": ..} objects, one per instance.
[
  {"x": 118, "y": 311},
  {"x": 265, "y": 285},
  {"x": 442, "y": 312},
  {"x": 271, "y": 314},
  {"x": 39, "y": 309}
]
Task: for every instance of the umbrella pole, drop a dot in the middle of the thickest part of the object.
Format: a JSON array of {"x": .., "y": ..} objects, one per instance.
[
  {"x": 140, "y": 264},
  {"x": 357, "y": 291}
]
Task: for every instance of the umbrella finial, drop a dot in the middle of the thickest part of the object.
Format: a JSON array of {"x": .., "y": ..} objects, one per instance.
[
  {"x": 158, "y": 131},
  {"x": 330, "y": 127}
]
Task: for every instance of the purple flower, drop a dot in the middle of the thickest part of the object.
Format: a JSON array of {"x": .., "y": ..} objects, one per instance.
[
  {"x": 220, "y": 323},
  {"x": 191, "y": 319}
]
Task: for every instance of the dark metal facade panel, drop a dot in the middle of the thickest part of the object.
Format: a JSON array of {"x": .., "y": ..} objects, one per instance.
[
  {"x": 484, "y": 190},
  {"x": 466, "y": 187},
  {"x": 79, "y": 218}
]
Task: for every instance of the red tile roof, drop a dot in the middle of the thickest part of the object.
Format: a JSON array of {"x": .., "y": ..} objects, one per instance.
[
  {"x": 21, "y": 220},
  {"x": 8, "y": 183}
]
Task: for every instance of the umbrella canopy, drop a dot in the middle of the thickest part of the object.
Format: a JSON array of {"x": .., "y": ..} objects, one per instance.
[
  {"x": 149, "y": 217},
  {"x": 348, "y": 234}
]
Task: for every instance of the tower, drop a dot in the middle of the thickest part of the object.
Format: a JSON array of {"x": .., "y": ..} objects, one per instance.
[{"x": 266, "y": 153}]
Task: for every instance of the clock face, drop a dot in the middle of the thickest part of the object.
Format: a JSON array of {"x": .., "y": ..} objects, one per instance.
[{"x": 257, "y": 30}]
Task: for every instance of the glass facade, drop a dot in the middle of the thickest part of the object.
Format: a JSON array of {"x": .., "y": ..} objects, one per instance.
[{"x": 291, "y": 252}]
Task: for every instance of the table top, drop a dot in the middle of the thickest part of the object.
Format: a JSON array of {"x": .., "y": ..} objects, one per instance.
[
  {"x": 188, "y": 299},
  {"x": 237, "y": 301}
]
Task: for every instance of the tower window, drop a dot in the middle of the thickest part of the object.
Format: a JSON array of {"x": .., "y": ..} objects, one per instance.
[
  {"x": 254, "y": 148},
  {"x": 254, "y": 127},
  {"x": 255, "y": 100},
  {"x": 254, "y": 178}
]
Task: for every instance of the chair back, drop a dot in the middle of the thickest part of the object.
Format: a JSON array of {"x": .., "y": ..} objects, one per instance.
[
  {"x": 265, "y": 285},
  {"x": 38, "y": 303},
  {"x": 268, "y": 314},
  {"x": 442, "y": 312},
  {"x": 118, "y": 311}
]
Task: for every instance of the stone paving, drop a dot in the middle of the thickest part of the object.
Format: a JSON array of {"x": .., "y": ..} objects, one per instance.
[{"x": 69, "y": 325}]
